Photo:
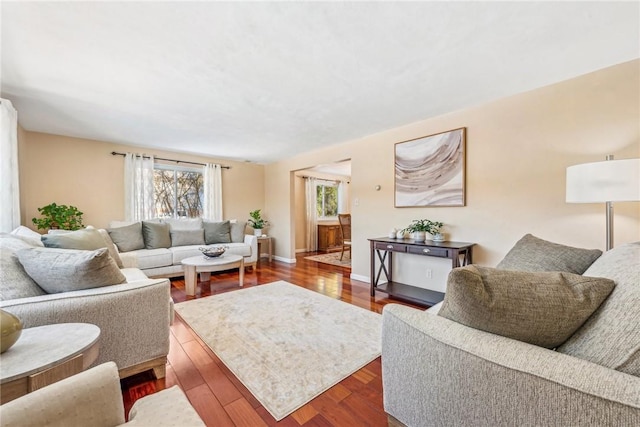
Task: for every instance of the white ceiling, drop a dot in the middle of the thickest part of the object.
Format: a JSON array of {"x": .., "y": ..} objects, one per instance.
[{"x": 267, "y": 80}]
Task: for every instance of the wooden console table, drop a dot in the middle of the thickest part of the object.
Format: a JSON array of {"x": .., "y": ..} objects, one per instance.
[{"x": 383, "y": 248}]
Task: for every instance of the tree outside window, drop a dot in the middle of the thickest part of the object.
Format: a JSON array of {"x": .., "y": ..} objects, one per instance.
[
  {"x": 179, "y": 191},
  {"x": 327, "y": 200}
]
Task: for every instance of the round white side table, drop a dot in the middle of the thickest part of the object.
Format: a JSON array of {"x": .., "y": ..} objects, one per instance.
[{"x": 46, "y": 354}]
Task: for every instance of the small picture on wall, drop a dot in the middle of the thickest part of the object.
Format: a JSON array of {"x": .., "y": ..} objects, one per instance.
[{"x": 430, "y": 171}]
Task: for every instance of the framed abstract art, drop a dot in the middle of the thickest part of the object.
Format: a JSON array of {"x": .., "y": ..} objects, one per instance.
[{"x": 430, "y": 171}]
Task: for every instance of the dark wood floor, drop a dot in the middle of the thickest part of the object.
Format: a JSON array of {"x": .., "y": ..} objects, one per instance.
[{"x": 222, "y": 400}]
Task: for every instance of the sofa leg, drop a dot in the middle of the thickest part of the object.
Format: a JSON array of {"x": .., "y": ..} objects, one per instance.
[
  {"x": 160, "y": 371},
  {"x": 392, "y": 422},
  {"x": 158, "y": 365}
]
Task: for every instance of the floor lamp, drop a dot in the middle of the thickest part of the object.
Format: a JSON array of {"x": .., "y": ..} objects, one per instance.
[{"x": 604, "y": 182}]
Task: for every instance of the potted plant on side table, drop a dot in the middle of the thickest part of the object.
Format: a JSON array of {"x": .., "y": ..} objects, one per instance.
[
  {"x": 420, "y": 227},
  {"x": 257, "y": 222}
]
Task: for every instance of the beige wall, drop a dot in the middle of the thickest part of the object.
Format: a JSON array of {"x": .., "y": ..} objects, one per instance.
[
  {"x": 518, "y": 149},
  {"x": 83, "y": 173}
]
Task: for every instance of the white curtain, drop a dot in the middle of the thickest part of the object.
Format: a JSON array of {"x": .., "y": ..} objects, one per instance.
[
  {"x": 343, "y": 198},
  {"x": 138, "y": 187},
  {"x": 10, "y": 187},
  {"x": 311, "y": 210},
  {"x": 212, "y": 175}
]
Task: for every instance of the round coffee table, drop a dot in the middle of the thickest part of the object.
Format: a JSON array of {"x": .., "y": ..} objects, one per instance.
[
  {"x": 204, "y": 265},
  {"x": 46, "y": 354}
]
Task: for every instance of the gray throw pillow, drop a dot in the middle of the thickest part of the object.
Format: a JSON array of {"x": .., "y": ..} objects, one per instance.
[
  {"x": 63, "y": 270},
  {"x": 611, "y": 337},
  {"x": 237, "y": 232},
  {"x": 217, "y": 232},
  {"x": 187, "y": 237},
  {"x": 533, "y": 254},
  {"x": 541, "y": 308},
  {"x": 14, "y": 281},
  {"x": 156, "y": 235},
  {"x": 87, "y": 239},
  {"x": 127, "y": 238}
]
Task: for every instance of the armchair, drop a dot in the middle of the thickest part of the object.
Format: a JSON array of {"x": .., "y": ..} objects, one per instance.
[{"x": 94, "y": 398}]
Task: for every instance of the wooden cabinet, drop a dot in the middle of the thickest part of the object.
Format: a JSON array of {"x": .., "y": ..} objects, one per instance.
[{"x": 329, "y": 238}]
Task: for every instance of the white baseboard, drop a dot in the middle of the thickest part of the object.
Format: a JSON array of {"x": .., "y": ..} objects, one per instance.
[
  {"x": 361, "y": 278},
  {"x": 301, "y": 250},
  {"x": 283, "y": 259}
]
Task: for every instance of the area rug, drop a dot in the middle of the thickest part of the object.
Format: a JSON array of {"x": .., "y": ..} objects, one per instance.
[
  {"x": 286, "y": 344},
  {"x": 332, "y": 258}
]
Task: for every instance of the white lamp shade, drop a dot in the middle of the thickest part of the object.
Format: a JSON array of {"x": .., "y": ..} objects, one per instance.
[{"x": 608, "y": 181}]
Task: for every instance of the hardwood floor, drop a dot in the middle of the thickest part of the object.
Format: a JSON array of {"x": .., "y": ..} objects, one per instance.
[{"x": 222, "y": 400}]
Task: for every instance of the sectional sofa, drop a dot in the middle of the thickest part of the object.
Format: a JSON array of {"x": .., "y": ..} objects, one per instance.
[
  {"x": 132, "y": 311},
  {"x": 158, "y": 246}
]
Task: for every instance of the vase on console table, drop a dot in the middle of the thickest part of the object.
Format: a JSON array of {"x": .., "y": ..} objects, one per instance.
[
  {"x": 419, "y": 236},
  {"x": 257, "y": 232},
  {"x": 437, "y": 237}
]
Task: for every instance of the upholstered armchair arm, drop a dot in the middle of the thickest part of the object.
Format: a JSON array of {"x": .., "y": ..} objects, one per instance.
[
  {"x": 90, "y": 398},
  {"x": 438, "y": 372},
  {"x": 133, "y": 317},
  {"x": 252, "y": 241}
]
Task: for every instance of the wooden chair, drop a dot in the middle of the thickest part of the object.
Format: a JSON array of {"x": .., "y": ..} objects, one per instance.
[{"x": 345, "y": 230}]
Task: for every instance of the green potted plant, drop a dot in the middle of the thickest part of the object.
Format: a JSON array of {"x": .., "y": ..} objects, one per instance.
[
  {"x": 59, "y": 217},
  {"x": 257, "y": 222},
  {"x": 420, "y": 227}
]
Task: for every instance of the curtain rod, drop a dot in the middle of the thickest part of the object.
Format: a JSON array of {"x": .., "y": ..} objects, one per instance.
[
  {"x": 113, "y": 153},
  {"x": 323, "y": 179}
]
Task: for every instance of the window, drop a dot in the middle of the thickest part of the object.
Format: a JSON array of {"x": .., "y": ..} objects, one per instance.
[
  {"x": 327, "y": 200},
  {"x": 179, "y": 191}
]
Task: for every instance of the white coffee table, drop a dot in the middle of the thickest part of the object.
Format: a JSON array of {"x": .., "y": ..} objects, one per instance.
[
  {"x": 46, "y": 354},
  {"x": 205, "y": 266}
]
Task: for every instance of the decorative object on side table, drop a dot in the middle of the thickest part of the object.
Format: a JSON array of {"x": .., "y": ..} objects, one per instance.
[
  {"x": 429, "y": 171},
  {"x": 213, "y": 252},
  {"x": 11, "y": 328},
  {"x": 257, "y": 222},
  {"x": 59, "y": 217},
  {"x": 420, "y": 227}
]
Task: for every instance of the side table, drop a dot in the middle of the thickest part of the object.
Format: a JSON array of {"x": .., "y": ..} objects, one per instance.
[
  {"x": 268, "y": 240},
  {"x": 46, "y": 354}
]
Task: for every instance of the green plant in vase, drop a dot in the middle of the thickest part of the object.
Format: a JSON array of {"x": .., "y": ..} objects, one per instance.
[
  {"x": 59, "y": 217},
  {"x": 257, "y": 222},
  {"x": 421, "y": 227}
]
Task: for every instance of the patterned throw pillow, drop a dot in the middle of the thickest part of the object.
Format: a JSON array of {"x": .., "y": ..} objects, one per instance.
[
  {"x": 541, "y": 308},
  {"x": 533, "y": 254}
]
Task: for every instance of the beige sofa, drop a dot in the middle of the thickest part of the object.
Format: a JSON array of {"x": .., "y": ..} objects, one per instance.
[
  {"x": 166, "y": 262},
  {"x": 93, "y": 398},
  {"x": 133, "y": 317},
  {"x": 437, "y": 372}
]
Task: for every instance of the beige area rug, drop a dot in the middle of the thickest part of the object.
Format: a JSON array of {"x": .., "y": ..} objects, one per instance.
[
  {"x": 285, "y": 343},
  {"x": 332, "y": 258}
]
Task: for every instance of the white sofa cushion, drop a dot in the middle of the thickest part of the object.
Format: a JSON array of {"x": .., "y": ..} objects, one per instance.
[
  {"x": 151, "y": 258},
  {"x": 178, "y": 224}
]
